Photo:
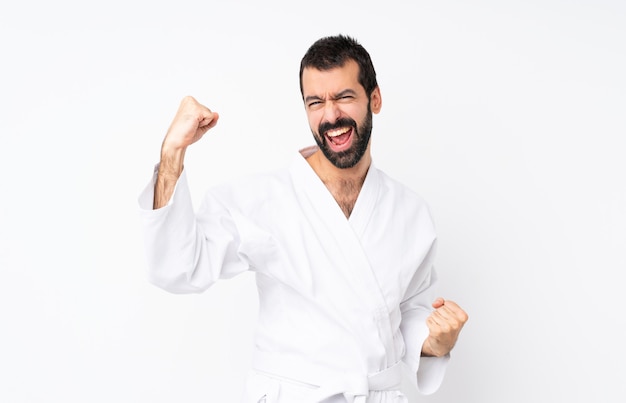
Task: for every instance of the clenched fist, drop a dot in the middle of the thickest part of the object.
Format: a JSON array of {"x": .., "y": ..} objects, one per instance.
[
  {"x": 444, "y": 325},
  {"x": 191, "y": 122}
]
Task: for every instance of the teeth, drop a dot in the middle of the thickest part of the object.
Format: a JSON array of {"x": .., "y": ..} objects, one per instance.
[{"x": 337, "y": 132}]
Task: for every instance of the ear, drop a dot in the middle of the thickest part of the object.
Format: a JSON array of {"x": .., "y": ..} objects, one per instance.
[{"x": 376, "y": 101}]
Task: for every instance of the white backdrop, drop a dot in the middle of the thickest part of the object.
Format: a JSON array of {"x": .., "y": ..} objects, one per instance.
[{"x": 507, "y": 116}]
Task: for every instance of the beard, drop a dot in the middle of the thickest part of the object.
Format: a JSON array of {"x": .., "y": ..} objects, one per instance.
[{"x": 361, "y": 137}]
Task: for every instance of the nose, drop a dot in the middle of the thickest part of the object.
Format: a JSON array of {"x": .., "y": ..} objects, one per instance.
[{"x": 331, "y": 112}]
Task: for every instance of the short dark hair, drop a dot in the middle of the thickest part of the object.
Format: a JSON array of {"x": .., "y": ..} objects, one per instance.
[{"x": 334, "y": 51}]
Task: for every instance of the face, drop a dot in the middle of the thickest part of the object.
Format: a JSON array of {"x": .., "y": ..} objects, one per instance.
[{"x": 339, "y": 112}]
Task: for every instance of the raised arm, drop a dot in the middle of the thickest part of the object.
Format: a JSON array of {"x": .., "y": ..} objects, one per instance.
[{"x": 191, "y": 122}]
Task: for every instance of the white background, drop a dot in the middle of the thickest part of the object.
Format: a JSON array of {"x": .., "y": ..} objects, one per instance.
[{"x": 507, "y": 116}]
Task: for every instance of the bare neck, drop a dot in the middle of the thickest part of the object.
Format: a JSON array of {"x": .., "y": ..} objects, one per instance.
[{"x": 344, "y": 184}]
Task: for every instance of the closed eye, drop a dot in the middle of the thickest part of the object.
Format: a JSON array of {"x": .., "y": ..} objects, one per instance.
[{"x": 345, "y": 95}]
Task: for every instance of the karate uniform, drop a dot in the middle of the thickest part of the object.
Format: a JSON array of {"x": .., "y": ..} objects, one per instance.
[{"x": 342, "y": 302}]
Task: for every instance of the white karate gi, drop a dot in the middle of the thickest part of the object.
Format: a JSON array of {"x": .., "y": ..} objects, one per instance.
[{"x": 343, "y": 302}]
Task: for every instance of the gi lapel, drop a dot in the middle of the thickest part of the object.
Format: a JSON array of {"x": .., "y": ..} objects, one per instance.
[
  {"x": 366, "y": 202},
  {"x": 339, "y": 235},
  {"x": 341, "y": 241}
]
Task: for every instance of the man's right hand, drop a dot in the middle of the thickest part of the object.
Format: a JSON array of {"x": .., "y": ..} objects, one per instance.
[{"x": 191, "y": 122}]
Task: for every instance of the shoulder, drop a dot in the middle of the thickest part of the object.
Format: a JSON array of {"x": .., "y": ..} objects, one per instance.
[
  {"x": 408, "y": 205},
  {"x": 391, "y": 187}
]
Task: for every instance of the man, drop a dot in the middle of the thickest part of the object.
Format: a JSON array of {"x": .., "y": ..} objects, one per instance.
[{"x": 342, "y": 253}]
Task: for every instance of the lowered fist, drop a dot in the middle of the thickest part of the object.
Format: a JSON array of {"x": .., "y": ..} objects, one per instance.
[{"x": 444, "y": 325}]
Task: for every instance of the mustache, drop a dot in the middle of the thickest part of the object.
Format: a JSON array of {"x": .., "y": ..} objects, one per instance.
[{"x": 342, "y": 122}]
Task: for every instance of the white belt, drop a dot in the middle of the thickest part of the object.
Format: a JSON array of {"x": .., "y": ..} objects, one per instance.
[{"x": 354, "y": 386}]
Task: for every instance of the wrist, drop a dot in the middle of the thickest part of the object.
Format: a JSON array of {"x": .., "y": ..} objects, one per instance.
[{"x": 426, "y": 351}]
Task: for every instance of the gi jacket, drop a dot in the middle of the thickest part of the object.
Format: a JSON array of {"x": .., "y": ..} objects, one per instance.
[{"x": 343, "y": 302}]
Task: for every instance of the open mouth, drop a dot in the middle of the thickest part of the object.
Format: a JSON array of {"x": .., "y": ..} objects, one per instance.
[{"x": 339, "y": 139}]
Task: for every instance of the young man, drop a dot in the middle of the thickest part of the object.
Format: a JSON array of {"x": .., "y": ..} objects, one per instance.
[{"x": 343, "y": 254}]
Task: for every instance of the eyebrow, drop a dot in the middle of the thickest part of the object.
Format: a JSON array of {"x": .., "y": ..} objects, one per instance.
[{"x": 335, "y": 96}]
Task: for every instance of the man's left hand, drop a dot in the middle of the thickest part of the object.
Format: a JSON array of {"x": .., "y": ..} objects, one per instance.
[{"x": 444, "y": 325}]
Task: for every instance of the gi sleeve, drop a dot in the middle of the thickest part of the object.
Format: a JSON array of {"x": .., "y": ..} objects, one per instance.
[
  {"x": 188, "y": 252},
  {"x": 415, "y": 308}
]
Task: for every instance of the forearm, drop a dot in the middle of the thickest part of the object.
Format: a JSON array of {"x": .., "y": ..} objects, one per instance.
[{"x": 170, "y": 168}]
